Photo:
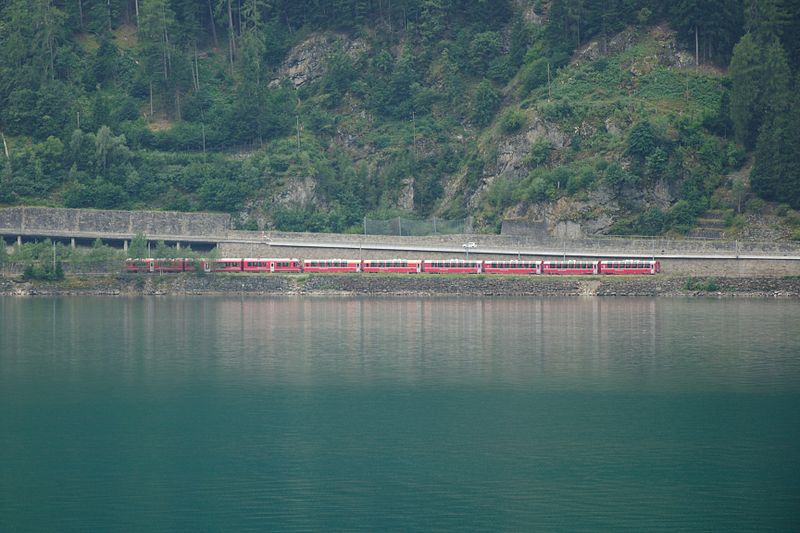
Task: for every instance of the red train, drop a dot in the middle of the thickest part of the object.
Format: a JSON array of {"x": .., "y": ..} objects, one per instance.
[{"x": 400, "y": 266}]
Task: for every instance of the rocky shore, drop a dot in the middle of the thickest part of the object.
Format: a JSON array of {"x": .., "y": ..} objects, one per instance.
[{"x": 403, "y": 285}]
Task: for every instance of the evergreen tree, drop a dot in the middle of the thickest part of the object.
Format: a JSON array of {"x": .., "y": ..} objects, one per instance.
[
  {"x": 776, "y": 172},
  {"x": 759, "y": 85},
  {"x": 156, "y": 21}
]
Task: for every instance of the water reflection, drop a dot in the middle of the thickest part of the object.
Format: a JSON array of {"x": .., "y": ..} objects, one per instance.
[
  {"x": 595, "y": 343},
  {"x": 404, "y": 414}
]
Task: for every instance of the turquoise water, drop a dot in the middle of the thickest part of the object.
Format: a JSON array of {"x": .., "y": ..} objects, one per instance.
[{"x": 401, "y": 414}]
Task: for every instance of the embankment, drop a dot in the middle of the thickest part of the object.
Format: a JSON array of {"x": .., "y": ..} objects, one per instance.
[{"x": 320, "y": 284}]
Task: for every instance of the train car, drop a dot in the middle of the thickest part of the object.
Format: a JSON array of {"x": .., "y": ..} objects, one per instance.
[
  {"x": 332, "y": 265},
  {"x": 571, "y": 268},
  {"x": 169, "y": 265},
  {"x": 271, "y": 265},
  {"x": 193, "y": 265},
  {"x": 630, "y": 266},
  {"x": 139, "y": 265},
  {"x": 225, "y": 265},
  {"x": 512, "y": 267},
  {"x": 452, "y": 266},
  {"x": 401, "y": 266}
]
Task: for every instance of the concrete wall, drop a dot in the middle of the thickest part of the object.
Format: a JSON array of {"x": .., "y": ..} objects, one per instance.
[
  {"x": 32, "y": 220},
  {"x": 594, "y": 246}
]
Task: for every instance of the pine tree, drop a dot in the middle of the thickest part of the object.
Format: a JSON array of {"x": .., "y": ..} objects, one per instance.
[{"x": 760, "y": 85}]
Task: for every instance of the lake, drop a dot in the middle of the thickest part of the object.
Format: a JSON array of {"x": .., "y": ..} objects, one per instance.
[{"x": 399, "y": 414}]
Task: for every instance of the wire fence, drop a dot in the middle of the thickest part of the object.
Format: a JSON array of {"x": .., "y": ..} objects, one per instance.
[{"x": 417, "y": 228}]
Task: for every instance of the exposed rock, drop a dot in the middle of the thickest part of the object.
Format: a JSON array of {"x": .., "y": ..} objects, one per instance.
[
  {"x": 406, "y": 199},
  {"x": 298, "y": 192},
  {"x": 305, "y": 62},
  {"x": 615, "y": 45},
  {"x": 529, "y": 14},
  {"x": 668, "y": 53},
  {"x": 612, "y": 127},
  {"x": 512, "y": 153}
]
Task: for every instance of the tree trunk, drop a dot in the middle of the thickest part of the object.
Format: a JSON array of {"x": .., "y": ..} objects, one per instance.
[
  {"x": 213, "y": 25},
  {"x": 696, "y": 48},
  {"x": 231, "y": 35}
]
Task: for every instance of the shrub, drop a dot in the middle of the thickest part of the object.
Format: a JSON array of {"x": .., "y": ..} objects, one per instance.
[
  {"x": 755, "y": 205},
  {"x": 701, "y": 285},
  {"x": 511, "y": 120},
  {"x": 540, "y": 152},
  {"x": 45, "y": 271},
  {"x": 792, "y": 217}
]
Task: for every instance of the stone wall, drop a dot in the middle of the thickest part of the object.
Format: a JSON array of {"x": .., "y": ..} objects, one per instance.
[{"x": 56, "y": 221}]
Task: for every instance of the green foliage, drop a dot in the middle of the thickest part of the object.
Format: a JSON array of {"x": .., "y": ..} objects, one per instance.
[
  {"x": 701, "y": 285},
  {"x": 188, "y": 118},
  {"x": 44, "y": 271},
  {"x": 138, "y": 247},
  {"x": 760, "y": 85},
  {"x": 641, "y": 140},
  {"x": 540, "y": 152},
  {"x": 484, "y": 103},
  {"x": 512, "y": 120}
]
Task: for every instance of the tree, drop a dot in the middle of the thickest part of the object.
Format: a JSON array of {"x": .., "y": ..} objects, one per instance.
[
  {"x": 759, "y": 85},
  {"x": 138, "y": 246},
  {"x": 109, "y": 149},
  {"x": 765, "y": 18},
  {"x": 642, "y": 140},
  {"x": 156, "y": 24},
  {"x": 776, "y": 171},
  {"x": 711, "y": 27},
  {"x": 484, "y": 103}
]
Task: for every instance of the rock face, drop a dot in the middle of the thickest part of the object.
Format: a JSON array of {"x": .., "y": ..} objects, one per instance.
[
  {"x": 667, "y": 53},
  {"x": 593, "y": 211},
  {"x": 305, "y": 63},
  {"x": 298, "y": 192}
]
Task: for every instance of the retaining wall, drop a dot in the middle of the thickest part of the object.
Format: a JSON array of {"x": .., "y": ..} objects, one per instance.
[
  {"x": 47, "y": 221},
  {"x": 596, "y": 246}
]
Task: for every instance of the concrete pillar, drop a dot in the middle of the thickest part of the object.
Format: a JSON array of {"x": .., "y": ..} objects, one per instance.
[
  {"x": 72, "y": 242},
  {"x": 19, "y": 240},
  {"x": 177, "y": 245},
  {"x": 125, "y": 245}
]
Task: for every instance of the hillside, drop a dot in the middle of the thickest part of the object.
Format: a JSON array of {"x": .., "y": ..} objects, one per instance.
[{"x": 312, "y": 115}]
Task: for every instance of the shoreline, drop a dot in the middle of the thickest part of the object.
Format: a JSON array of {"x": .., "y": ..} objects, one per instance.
[{"x": 405, "y": 285}]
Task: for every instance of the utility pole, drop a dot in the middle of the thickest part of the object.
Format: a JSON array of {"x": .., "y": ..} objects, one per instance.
[
  {"x": 414, "y": 130},
  {"x": 298, "y": 132}
]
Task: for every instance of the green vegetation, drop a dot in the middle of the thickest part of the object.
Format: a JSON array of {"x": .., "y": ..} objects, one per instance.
[
  {"x": 45, "y": 271},
  {"x": 701, "y": 285},
  {"x": 182, "y": 105}
]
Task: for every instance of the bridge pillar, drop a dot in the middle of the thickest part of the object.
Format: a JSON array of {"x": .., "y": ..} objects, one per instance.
[
  {"x": 177, "y": 245},
  {"x": 72, "y": 242},
  {"x": 125, "y": 245},
  {"x": 19, "y": 240}
]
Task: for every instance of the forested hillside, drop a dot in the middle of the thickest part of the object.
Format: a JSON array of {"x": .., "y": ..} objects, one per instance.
[{"x": 620, "y": 116}]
